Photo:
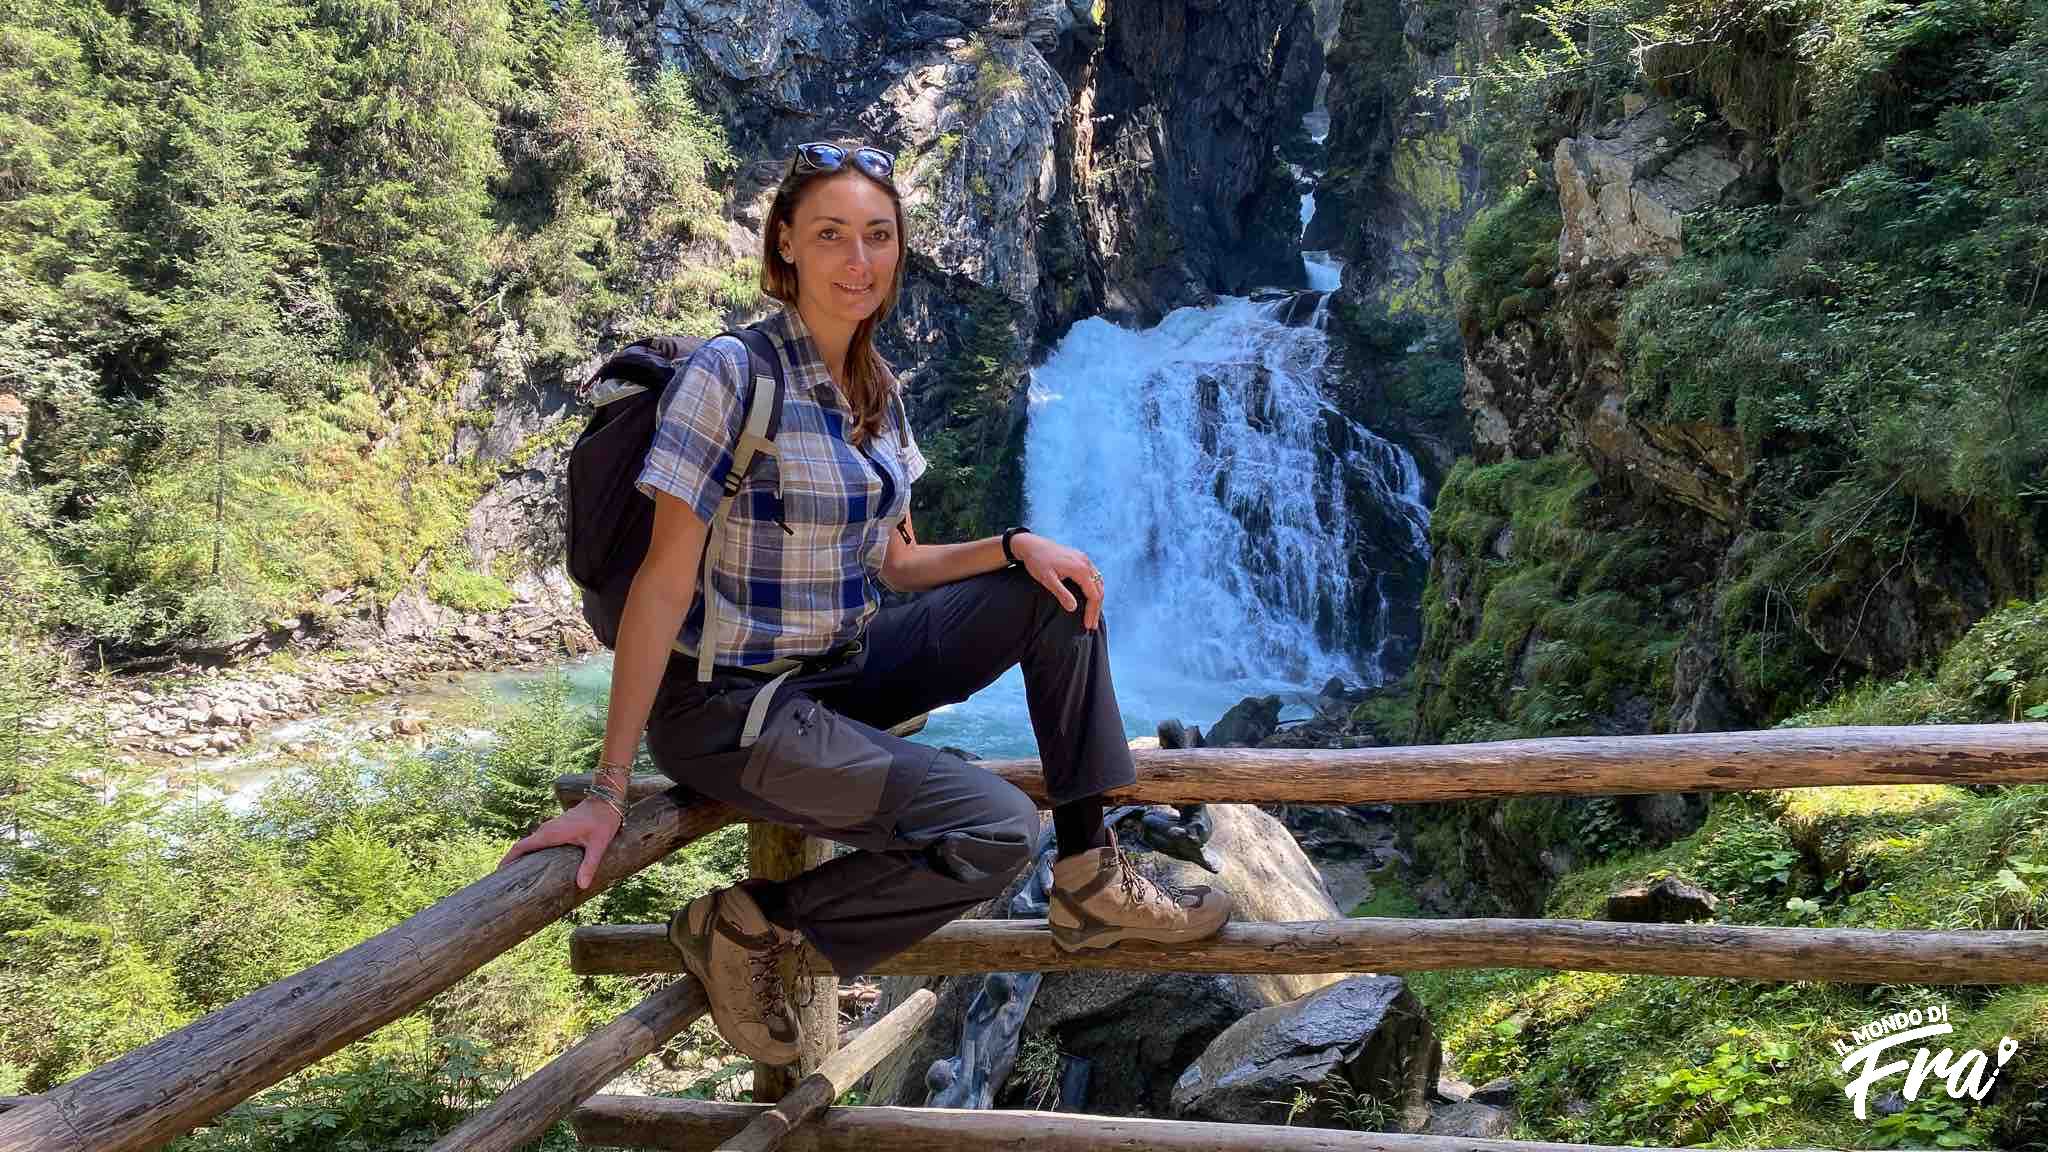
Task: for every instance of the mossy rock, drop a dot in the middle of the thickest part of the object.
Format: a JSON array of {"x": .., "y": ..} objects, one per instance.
[{"x": 1831, "y": 827}]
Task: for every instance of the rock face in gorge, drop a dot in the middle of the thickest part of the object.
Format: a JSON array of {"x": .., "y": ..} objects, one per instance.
[
  {"x": 1138, "y": 133},
  {"x": 1551, "y": 379},
  {"x": 1060, "y": 159},
  {"x": 1402, "y": 178},
  {"x": 1398, "y": 182}
]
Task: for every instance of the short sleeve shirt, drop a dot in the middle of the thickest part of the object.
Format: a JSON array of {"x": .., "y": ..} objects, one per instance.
[{"x": 807, "y": 589}]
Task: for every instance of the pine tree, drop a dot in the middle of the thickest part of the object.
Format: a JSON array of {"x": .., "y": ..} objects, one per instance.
[{"x": 405, "y": 203}]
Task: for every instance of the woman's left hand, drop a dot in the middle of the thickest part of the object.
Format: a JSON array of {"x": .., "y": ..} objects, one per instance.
[{"x": 1051, "y": 563}]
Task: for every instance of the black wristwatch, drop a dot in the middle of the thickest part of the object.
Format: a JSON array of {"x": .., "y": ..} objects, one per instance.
[{"x": 1007, "y": 533}]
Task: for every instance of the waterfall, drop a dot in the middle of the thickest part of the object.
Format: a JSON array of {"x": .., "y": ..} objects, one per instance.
[
  {"x": 1201, "y": 468},
  {"x": 1247, "y": 530},
  {"x": 1325, "y": 272}
]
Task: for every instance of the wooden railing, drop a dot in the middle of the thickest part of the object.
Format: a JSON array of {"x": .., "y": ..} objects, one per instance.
[{"x": 163, "y": 1089}]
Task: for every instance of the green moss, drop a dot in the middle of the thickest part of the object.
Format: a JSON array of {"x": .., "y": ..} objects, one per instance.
[
  {"x": 460, "y": 587},
  {"x": 1426, "y": 172},
  {"x": 1508, "y": 246},
  {"x": 1595, "y": 1056},
  {"x": 1562, "y": 614}
]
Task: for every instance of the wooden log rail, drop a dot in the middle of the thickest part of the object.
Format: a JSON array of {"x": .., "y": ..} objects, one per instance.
[
  {"x": 1567, "y": 766},
  {"x": 647, "y": 1122},
  {"x": 523, "y": 1113},
  {"x": 166, "y": 1088},
  {"x": 769, "y": 1130},
  {"x": 1381, "y": 944}
]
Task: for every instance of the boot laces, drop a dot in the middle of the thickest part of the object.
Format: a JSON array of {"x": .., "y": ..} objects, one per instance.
[
  {"x": 1141, "y": 888},
  {"x": 764, "y": 972}
]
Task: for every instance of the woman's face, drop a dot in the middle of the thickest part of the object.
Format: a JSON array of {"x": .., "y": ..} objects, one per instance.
[{"x": 842, "y": 239}]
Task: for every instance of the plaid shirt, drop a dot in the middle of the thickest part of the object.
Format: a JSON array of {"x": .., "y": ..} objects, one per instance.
[{"x": 806, "y": 591}]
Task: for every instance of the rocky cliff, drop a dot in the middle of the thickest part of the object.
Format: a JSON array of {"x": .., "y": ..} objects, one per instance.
[
  {"x": 1397, "y": 183},
  {"x": 1676, "y": 517},
  {"x": 1060, "y": 159}
]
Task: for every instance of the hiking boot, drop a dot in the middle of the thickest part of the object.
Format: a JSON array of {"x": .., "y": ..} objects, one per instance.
[
  {"x": 736, "y": 952},
  {"x": 1099, "y": 897}
]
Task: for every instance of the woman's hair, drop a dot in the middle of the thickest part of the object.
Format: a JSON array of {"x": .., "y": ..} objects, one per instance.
[{"x": 868, "y": 379}]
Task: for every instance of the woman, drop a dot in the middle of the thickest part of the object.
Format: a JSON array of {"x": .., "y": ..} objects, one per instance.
[{"x": 806, "y": 539}]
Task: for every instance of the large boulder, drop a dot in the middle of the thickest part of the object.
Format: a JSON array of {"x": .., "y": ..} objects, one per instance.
[
  {"x": 1625, "y": 191},
  {"x": 1669, "y": 900},
  {"x": 411, "y": 615},
  {"x": 1137, "y": 1030},
  {"x": 1248, "y": 721},
  {"x": 1366, "y": 1036}
]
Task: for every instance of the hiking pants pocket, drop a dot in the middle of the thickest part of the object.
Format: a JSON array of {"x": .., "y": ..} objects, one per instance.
[{"x": 817, "y": 764}]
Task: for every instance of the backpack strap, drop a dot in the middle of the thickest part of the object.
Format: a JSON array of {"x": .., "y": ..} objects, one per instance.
[
  {"x": 757, "y": 438},
  {"x": 902, "y": 437}
]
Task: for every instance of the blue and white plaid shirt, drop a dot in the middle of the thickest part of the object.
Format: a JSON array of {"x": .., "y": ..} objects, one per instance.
[{"x": 806, "y": 591}]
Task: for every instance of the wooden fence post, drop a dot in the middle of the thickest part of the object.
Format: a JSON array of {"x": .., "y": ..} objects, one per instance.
[{"x": 778, "y": 853}]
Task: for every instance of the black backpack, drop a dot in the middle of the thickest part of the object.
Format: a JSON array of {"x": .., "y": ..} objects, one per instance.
[{"x": 610, "y": 522}]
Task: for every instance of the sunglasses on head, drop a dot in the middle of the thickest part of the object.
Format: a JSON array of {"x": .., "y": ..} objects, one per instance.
[{"x": 823, "y": 157}]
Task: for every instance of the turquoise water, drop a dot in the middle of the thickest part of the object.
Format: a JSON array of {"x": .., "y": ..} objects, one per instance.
[{"x": 994, "y": 723}]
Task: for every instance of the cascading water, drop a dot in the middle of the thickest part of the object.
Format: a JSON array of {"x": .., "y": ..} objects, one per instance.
[
  {"x": 1187, "y": 457},
  {"x": 1325, "y": 272},
  {"x": 1245, "y": 528},
  {"x": 1248, "y": 532}
]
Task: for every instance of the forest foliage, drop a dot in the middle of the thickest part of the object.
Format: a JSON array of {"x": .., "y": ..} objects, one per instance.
[{"x": 253, "y": 254}]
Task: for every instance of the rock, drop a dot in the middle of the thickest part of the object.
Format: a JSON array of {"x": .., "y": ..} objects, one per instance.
[
  {"x": 190, "y": 744},
  {"x": 1339, "y": 832},
  {"x": 1517, "y": 382},
  {"x": 226, "y": 716},
  {"x": 1367, "y": 1033},
  {"x": 1174, "y": 734},
  {"x": 1499, "y": 1092},
  {"x": 1469, "y": 1120},
  {"x": 408, "y": 725},
  {"x": 1139, "y": 1030},
  {"x": 1668, "y": 901},
  {"x": 1249, "y": 721},
  {"x": 1625, "y": 196},
  {"x": 1337, "y": 689}
]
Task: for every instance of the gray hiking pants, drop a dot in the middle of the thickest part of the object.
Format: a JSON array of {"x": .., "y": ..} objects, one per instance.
[{"x": 935, "y": 835}]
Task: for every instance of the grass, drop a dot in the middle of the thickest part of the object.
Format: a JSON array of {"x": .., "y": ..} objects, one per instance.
[{"x": 1727, "y": 1063}]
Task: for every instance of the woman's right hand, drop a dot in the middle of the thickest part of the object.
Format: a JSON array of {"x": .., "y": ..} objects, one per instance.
[{"x": 591, "y": 825}]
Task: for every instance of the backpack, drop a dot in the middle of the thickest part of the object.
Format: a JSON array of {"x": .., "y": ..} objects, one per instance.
[{"x": 610, "y": 522}]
